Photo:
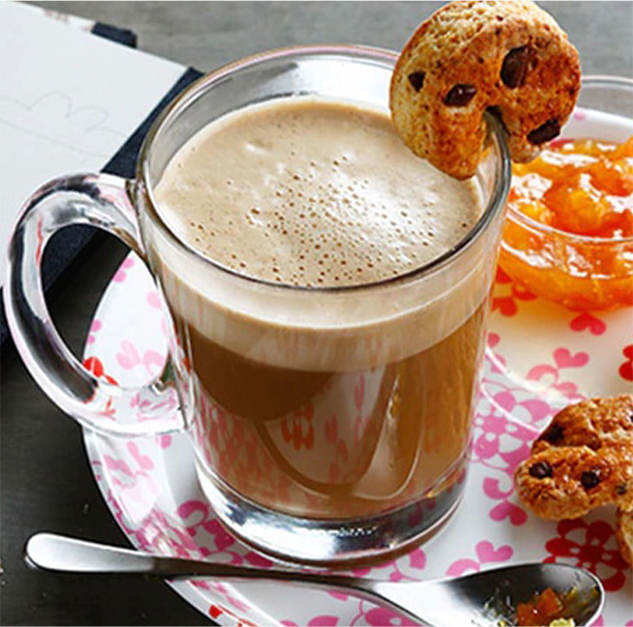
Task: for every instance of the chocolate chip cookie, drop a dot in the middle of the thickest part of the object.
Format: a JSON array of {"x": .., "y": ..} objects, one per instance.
[
  {"x": 583, "y": 459},
  {"x": 508, "y": 57}
]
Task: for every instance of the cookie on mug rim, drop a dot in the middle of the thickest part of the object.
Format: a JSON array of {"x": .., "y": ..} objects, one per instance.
[{"x": 505, "y": 56}]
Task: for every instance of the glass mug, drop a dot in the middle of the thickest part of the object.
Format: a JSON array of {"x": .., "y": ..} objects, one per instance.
[{"x": 327, "y": 424}]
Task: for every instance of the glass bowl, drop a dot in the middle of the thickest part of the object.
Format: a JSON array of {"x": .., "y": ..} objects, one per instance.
[{"x": 578, "y": 271}]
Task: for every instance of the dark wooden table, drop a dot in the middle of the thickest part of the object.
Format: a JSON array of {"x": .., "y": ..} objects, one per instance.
[{"x": 46, "y": 481}]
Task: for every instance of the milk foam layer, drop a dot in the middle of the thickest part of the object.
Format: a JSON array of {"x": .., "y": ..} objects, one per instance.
[
  {"x": 216, "y": 180},
  {"x": 312, "y": 193}
]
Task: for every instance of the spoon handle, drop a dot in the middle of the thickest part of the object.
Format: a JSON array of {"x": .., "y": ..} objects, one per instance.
[{"x": 54, "y": 552}]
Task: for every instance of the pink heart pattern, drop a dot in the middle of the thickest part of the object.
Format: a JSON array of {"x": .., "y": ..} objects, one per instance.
[
  {"x": 487, "y": 553},
  {"x": 564, "y": 359},
  {"x": 586, "y": 321}
]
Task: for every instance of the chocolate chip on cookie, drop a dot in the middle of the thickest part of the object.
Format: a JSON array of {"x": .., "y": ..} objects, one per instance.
[
  {"x": 460, "y": 95},
  {"x": 516, "y": 65},
  {"x": 545, "y": 132},
  {"x": 417, "y": 80},
  {"x": 540, "y": 470},
  {"x": 504, "y": 56}
]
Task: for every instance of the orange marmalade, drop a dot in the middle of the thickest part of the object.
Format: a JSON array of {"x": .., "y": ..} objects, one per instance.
[
  {"x": 541, "y": 610},
  {"x": 569, "y": 233}
]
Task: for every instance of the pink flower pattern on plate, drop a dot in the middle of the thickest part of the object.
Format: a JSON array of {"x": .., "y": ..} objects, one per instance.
[{"x": 550, "y": 376}]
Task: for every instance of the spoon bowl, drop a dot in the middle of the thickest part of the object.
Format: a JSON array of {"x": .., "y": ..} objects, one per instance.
[{"x": 483, "y": 599}]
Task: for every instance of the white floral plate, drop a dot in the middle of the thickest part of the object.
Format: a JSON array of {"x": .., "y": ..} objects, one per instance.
[{"x": 540, "y": 357}]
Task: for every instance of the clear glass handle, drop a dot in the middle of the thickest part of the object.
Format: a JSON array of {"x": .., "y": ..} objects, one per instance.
[{"x": 101, "y": 201}]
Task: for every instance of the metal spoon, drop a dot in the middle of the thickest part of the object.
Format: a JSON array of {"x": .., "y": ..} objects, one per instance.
[{"x": 482, "y": 599}]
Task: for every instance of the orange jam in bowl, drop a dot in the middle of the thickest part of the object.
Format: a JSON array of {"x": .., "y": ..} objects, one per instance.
[{"x": 568, "y": 236}]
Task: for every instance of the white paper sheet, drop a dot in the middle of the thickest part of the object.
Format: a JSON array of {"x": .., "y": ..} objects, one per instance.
[{"x": 68, "y": 101}]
